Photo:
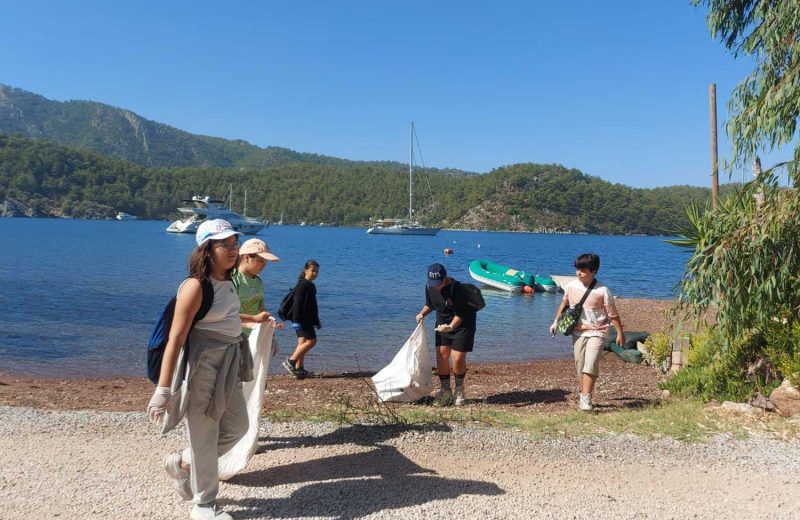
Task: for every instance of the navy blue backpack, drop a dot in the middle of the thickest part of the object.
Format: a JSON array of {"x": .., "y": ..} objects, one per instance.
[{"x": 160, "y": 334}]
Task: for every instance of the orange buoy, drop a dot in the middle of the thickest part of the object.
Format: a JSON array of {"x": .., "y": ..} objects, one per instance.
[
  {"x": 527, "y": 289},
  {"x": 448, "y": 251}
]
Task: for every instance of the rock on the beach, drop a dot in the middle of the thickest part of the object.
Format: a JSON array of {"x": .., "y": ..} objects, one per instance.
[
  {"x": 742, "y": 408},
  {"x": 786, "y": 399},
  {"x": 759, "y": 401}
]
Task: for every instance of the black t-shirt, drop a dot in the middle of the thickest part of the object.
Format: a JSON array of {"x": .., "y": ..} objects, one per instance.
[{"x": 451, "y": 300}]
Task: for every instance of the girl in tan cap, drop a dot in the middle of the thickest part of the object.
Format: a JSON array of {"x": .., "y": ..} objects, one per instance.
[{"x": 253, "y": 258}]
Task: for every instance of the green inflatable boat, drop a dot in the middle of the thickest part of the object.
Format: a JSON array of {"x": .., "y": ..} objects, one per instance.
[{"x": 507, "y": 279}]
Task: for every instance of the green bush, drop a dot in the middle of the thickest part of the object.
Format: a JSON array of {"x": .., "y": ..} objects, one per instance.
[
  {"x": 701, "y": 349},
  {"x": 734, "y": 371},
  {"x": 783, "y": 350},
  {"x": 658, "y": 350}
]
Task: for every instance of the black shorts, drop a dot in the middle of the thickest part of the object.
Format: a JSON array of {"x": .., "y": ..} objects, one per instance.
[
  {"x": 462, "y": 341},
  {"x": 309, "y": 333}
]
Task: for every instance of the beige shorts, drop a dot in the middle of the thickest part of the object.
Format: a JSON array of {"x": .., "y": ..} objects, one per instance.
[{"x": 587, "y": 351}]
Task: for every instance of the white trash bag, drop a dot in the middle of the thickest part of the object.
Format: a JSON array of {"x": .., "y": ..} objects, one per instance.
[
  {"x": 408, "y": 377},
  {"x": 236, "y": 459}
]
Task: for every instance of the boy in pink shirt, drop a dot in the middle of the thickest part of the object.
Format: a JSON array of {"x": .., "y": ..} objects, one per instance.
[{"x": 591, "y": 331}]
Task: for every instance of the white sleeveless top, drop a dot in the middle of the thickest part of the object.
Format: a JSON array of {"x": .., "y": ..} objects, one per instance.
[{"x": 223, "y": 316}]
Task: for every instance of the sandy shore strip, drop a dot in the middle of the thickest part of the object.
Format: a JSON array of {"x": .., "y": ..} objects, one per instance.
[{"x": 100, "y": 465}]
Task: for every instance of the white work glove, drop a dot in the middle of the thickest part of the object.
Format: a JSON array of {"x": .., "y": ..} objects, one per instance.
[{"x": 158, "y": 404}]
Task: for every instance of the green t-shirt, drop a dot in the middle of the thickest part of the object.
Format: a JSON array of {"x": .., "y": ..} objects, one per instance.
[{"x": 251, "y": 295}]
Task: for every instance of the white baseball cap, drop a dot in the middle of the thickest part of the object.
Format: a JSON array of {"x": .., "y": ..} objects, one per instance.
[{"x": 216, "y": 229}]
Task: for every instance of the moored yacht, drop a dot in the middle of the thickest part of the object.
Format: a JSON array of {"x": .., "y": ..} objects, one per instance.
[
  {"x": 204, "y": 208},
  {"x": 404, "y": 226},
  {"x": 399, "y": 226}
]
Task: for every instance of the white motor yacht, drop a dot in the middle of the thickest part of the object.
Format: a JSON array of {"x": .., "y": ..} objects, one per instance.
[{"x": 204, "y": 208}]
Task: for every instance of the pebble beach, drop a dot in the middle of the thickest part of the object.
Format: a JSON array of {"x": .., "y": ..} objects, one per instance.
[
  {"x": 80, "y": 448},
  {"x": 100, "y": 465}
]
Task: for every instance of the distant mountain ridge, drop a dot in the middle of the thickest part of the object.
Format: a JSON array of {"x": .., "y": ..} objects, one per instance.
[{"x": 121, "y": 133}]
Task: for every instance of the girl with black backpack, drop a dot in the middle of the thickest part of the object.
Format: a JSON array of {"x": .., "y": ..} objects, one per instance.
[{"x": 305, "y": 319}]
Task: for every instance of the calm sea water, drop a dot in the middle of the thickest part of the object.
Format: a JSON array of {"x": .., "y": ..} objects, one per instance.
[{"x": 79, "y": 298}]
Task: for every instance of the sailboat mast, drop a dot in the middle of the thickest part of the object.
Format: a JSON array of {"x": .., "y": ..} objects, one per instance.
[{"x": 410, "y": 170}]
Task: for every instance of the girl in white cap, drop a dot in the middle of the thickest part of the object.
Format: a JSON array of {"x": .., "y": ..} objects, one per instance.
[{"x": 207, "y": 388}]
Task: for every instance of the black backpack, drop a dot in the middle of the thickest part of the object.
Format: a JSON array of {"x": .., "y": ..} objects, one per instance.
[
  {"x": 160, "y": 334},
  {"x": 287, "y": 305},
  {"x": 474, "y": 296}
]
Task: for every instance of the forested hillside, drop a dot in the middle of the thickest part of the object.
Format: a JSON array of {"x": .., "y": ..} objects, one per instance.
[{"x": 53, "y": 180}]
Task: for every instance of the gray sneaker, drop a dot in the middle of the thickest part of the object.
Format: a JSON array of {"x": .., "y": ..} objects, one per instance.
[
  {"x": 301, "y": 373},
  {"x": 460, "y": 399},
  {"x": 180, "y": 477},
  {"x": 289, "y": 366},
  {"x": 208, "y": 512},
  {"x": 443, "y": 397},
  {"x": 585, "y": 404}
]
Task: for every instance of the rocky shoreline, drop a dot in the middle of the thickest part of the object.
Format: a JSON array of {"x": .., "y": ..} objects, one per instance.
[
  {"x": 533, "y": 385},
  {"x": 46, "y": 208}
]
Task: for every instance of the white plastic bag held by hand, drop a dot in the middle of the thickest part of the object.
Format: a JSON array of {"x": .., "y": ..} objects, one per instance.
[
  {"x": 236, "y": 459},
  {"x": 408, "y": 377}
]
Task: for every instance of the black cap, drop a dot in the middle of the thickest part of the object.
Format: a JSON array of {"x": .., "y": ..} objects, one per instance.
[{"x": 436, "y": 274}]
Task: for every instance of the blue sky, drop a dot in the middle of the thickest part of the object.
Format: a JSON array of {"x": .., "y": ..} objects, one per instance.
[{"x": 617, "y": 89}]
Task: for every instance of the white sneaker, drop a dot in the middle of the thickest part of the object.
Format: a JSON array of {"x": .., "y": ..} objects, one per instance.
[
  {"x": 208, "y": 512},
  {"x": 586, "y": 403},
  {"x": 179, "y": 475},
  {"x": 459, "y": 400},
  {"x": 442, "y": 397}
]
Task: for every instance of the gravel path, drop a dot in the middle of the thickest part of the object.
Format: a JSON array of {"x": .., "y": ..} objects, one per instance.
[{"x": 90, "y": 464}]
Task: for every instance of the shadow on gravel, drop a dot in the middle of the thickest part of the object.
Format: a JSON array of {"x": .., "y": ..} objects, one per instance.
[
  {"x": 631, "y": 403},
  {"x": 351, "y": 486},
  {"x": 347, "y": 375},
  {"x": 360, "y": 434},
  {"x": 525, "y": 397}
]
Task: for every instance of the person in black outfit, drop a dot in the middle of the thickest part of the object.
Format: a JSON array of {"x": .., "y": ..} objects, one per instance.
[
  {"x": 305, "y": 318},
  {"x": 455, "y": 331}
]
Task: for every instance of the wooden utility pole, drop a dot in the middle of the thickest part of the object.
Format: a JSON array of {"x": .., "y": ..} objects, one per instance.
[
  {"x": 759, "y": 195},
  {"x": 712, "y": 94}
]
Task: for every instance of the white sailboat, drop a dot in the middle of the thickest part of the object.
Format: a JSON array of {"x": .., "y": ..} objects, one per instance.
[{"x": 404, "y": 226}]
